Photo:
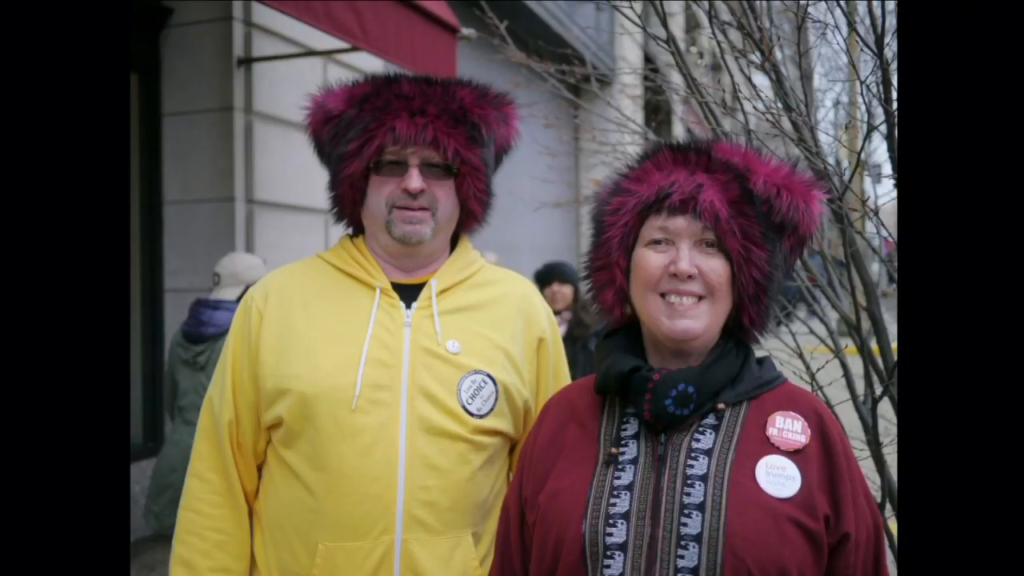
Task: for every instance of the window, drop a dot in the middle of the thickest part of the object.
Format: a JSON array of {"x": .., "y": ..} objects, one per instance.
[{"x": 657, "y": 107}]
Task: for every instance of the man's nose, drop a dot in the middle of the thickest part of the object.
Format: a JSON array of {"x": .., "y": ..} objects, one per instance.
[{"x": 413, "y": 182}]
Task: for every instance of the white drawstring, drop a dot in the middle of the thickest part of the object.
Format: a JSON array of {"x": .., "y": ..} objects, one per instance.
[
  {"x": 369, "y": 335},
  {"x": 437, "y": 318},
  {"x": 366, "y": 349}
]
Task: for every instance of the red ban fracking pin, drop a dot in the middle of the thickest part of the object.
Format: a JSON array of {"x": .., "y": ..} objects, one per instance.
[{"x": 788, "y": 430}]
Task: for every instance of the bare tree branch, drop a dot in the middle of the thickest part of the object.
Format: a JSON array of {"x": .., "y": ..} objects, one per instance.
[{"x": 789, "y": 76}]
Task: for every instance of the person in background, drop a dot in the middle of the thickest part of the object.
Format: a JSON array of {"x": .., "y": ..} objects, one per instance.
[
  {"x": 372, "y": 400},
  {"x": 890, "y": 257},
  {"x": 191, "y": 359},
  {"x": 685, "y": 454},
  {"x": 559, "y": 283}
]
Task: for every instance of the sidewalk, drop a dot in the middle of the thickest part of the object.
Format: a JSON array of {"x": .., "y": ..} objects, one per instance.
[
  {"x": 813, "y": 345},
  {"x": 150, "y": 556},
  {"x": 829, "y": 374}
]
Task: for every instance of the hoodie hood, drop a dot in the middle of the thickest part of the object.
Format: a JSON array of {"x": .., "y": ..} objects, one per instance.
[
  {"x": 352, "y": 257},
  {"x": 208, "y": 320},
  {"x": 758, "y": 375}
]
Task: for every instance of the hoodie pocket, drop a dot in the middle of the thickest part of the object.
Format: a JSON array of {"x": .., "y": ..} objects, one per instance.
[
  {"x": 368, "y": 558},
  {"x": 454, "y": 556}
]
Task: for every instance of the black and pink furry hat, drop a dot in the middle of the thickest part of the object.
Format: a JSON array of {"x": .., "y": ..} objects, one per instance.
[
  {"x": 352, "y": 123},
  {"x": 763, "y": 210}
]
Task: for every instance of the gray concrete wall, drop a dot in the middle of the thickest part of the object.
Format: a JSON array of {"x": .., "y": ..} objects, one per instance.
[
  {"x": 534, "y": 215},
  {"x": 240, "y": 174},
  {"x": 287, "y": 199},
  {"x": 238, "y": 170},
  {"x": 200, "y": 113}
]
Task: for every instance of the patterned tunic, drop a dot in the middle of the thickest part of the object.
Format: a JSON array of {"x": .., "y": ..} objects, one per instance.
[{"x": 686, "y": 503}]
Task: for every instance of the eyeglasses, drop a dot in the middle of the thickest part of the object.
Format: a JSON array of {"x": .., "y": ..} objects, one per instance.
[{"x": 399, "y": 168}]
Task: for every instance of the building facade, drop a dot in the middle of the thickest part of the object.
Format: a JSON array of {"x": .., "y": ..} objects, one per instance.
[{"x": 221, "y": 162}]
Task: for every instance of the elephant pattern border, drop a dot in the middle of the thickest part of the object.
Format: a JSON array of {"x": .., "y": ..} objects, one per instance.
[
  {"x": 620, "y": 499},
  {"x": 693, "y": 498},
  {"x": 619, "y": 494},
  {"x": 695, "y": 491},
  {"x": 718, "y": 491}
]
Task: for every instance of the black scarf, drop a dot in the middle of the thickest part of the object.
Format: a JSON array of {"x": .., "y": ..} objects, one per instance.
[{"x": 666, "y": 399}]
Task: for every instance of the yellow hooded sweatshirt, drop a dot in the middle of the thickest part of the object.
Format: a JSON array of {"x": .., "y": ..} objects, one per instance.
[{"x": 345, "y": 435}]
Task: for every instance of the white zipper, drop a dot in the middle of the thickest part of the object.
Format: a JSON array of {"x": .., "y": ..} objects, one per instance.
[{"x": 400, "y": 518}]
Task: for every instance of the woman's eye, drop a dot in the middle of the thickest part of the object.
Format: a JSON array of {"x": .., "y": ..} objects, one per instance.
[
  {"x": 709, "y": 244},
  {"x": 658, "y": 242}
]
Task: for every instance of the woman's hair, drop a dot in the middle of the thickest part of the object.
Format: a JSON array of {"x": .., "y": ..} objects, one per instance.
[{"x": 763, "y": 212}]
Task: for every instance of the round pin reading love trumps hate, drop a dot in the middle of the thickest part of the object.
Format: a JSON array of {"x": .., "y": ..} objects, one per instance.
[
  {"x": 778, "y": 476},
  {"x": 788, "y": 431}
]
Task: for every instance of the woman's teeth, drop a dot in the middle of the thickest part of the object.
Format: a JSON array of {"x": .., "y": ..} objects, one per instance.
[{"x": 682, "y": 300}]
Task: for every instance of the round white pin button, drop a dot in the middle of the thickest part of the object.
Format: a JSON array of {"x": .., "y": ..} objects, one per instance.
[
  {"x": 778, "y": 476},
  {"x": 478, "y": 393},
  {"x": 453, "y": 346}
]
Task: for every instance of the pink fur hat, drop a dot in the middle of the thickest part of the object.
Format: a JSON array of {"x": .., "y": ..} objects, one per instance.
[
  {"x": 352, "y": 123},
  {"x": 764, "y": 211}
]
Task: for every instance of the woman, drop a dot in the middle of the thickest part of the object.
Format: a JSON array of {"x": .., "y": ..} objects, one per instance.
[
  {"x": 685, "y": 454},
  {"x": 559, "y": 283}
]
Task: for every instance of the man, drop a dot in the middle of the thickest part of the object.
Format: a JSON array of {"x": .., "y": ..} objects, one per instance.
[
  {"x": 372, "y": 401},
  {"x": 559, "y": 283},
  {"x": 191, "y": 359}
]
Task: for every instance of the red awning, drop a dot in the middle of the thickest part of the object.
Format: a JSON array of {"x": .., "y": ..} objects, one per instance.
[{"x": 419, "y": 36}]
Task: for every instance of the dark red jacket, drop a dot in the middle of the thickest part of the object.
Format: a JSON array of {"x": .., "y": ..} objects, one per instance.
[{"x": 831, "y": 526}]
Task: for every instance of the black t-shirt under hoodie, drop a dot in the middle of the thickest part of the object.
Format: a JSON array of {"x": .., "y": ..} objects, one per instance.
[{"x": 408, "y": 293}]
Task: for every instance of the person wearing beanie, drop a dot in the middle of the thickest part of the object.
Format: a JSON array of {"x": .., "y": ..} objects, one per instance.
[
  {"x": 371, "y": 400},
  {"x": 191, "y": 359},
  {"x": 685, "y": 454},
  {"x": 559, "y": 283}
]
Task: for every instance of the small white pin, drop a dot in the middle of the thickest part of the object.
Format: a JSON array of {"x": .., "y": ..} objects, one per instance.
[
  {"x": 453, "y": 346},
  {"x": 778, "y": 476}
]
